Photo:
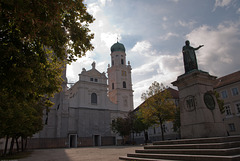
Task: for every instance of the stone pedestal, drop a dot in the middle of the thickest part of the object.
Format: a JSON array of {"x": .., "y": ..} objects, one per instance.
[{"x": 199, "y": 112}]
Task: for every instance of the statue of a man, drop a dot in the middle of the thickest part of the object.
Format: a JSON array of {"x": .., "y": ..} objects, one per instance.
[{"x": 189, "y": 57}]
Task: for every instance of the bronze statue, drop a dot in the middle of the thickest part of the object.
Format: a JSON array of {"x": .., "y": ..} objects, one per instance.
[{"x": 189, "y": 57}]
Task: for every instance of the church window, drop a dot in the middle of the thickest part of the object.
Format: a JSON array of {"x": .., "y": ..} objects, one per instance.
[
  {"x": 122, "y": 61},
  {"x": 112, "y": 85},
  {"x": 91, "y": 79},
  {"x": 112, "y": 63},
  {"x": 96, "y": 80},
  {"x": 94, "y": 98},
  {"x": 124, "y": 84}
]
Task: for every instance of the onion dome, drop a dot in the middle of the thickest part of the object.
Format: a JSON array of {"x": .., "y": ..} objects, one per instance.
[{"x": 117, "y": 47}]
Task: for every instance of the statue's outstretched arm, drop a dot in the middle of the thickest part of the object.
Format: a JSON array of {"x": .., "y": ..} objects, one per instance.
[{"x": 198, "y": 47}]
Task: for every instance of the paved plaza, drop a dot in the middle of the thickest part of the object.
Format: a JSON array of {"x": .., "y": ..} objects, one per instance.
[{"x": 101, "y": 153}]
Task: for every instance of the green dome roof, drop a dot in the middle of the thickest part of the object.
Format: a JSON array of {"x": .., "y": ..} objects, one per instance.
[{"x": 117, "y": 47}]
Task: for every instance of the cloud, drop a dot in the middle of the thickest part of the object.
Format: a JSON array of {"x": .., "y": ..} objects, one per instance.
[
  {"x": 143, "y": 69},
  {"x": 165, "y": 18},
  {"x": 176, "y": 1},
  {"x": 238, "y": 11},
  {"x": 103, "y": 2},
  {"x": 220, "y": 55},
  {"x": 93, "y": 8},
  {"x": 221, "y": 3},
  {"x": 188, "y": 24},
  {"x": 162, "y": 68},
  {"x": 108, "y": 38},
  {"x": 168, "y": 36},
  {"x": 141, "y": 46},
  {"x": 76, "y": 67}
]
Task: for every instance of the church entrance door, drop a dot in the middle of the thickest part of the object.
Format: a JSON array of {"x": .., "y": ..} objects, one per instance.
[
  {"x": 72, "y": 140},
  {"x": 97, "y": 140}
]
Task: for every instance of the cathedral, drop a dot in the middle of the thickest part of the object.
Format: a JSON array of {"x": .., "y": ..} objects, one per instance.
[{"x": 82, "y": 114}]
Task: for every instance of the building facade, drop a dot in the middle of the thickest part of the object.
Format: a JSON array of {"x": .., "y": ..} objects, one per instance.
[
  {"x": 228, "y": 87},
  {"x": 81, "y": 115}
]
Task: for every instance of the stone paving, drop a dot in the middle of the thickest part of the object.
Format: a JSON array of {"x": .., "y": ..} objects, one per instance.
[{"x": 101, "y": 153}]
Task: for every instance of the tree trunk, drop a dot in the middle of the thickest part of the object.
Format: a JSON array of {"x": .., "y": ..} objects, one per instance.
[
  {"x": 17, "y": 144},
  {"x": 25, "y": 143},
  {"x": 133, "y": 138},
  {"x": 162, "y": 130},
  {"x": 11, "y": 146},
  {"x": 22, "y": 143},
  {"x": 6, "y": 145},
  {"x": 122, "y": 140}
]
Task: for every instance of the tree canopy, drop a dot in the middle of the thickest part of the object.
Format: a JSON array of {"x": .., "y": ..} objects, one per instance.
[
  {"x": 59, "y": 24},
  {"x": 158, "y": 106}
]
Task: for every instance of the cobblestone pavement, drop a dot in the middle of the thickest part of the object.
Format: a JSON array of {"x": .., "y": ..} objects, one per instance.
[{"x": 102, "y": 153}]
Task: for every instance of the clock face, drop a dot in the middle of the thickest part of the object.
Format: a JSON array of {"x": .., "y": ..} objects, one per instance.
[{"x": 209, "y": 101}]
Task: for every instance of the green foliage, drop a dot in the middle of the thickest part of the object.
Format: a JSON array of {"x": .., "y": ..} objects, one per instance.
[
  {"x": 220, "y": 102},
  {"x": 158, "y": 106},
  {"x": 130, "y": 124},
  {"x": 121, "y": 126},
  {"x": 59, "y": 24},
  {"x": 137, "y": 125}
]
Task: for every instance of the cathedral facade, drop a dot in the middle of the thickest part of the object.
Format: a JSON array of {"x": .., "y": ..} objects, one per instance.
[{"x": 81, "y": 115}]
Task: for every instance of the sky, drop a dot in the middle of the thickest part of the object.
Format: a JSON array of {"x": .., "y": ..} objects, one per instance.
[{"x": 154, "y": 32}]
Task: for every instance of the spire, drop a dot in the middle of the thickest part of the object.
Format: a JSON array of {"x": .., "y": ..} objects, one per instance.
[{"x": 93, "y": 65}]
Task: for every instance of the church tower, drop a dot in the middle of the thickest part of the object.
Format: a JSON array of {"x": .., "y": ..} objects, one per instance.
[{"x": 119, "y": 79}]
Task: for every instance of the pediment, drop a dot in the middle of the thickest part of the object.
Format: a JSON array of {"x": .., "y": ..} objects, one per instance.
[{"x": 93, "y": 73}]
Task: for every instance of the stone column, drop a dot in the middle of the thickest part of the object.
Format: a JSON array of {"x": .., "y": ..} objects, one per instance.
[{"x": 199, "y": 112}]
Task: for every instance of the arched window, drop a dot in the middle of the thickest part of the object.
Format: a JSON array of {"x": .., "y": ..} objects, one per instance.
[
  {"x": 94, "y": 98},
  {"x": 122, "y": 61},
  {"x": 124, "y": 84}
]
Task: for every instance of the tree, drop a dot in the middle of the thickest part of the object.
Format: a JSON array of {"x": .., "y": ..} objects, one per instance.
[
  {"x": 130, "y": 124},
  {"x": 122, "y": 127},
  {"x": 137, "y": 125},
  {"x": 158, "y": 106},
  {"x": 37, "y": 39}
]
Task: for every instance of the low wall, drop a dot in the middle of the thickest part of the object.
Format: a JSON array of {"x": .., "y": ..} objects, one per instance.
[{"x": 40, "y": 143}]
